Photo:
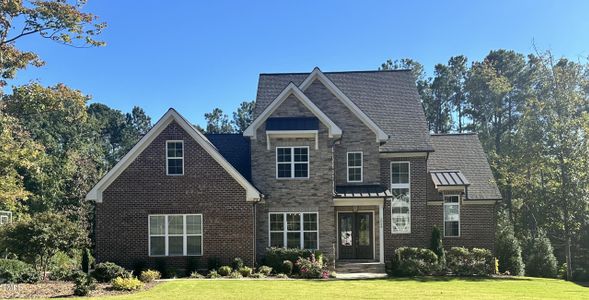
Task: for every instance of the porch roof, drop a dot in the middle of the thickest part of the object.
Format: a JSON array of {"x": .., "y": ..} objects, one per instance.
[
  {"x": 362, "y": 191},
  {"x": 446, "y": 178}
]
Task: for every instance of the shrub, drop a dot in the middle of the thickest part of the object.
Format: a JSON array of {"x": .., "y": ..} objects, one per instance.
[
  {"x": 281, "y": 276},
  {"x": 126, "y": 283},
  {"x": 225, "y": 270},
  {"x": 541, "y": 261},
  {"x": 237, "y": 263},
  {"x": 62, "y": 266},
  {"x": 16, "y": 271},
  {"x": 138, "y": 267},
  {"x": 213, "y": 263},
  {"x": 265, "y": 270},
  {"x": 235, "y": 274},
  {"x": 287, "y": 267},
  {"x": 86, "y": 260},
  {"x": 276, "y": 256},
  {"x": 83, "y": 284},
  {"x": 245, "y": 271},
  {"x": 562, "y": 271},
  {"x": 196, "y": 275},
  {"x": 310, "y": 268},
  {"x": 107, "y": 271},
  {"x": 213, "y": 274},
  {"x": 437, "y": 246},
  {"x": 332, "y": 274},
  {"x": 258, "y": 275},
  {"x": 150, "y": 275},
  {"x": 464, "y": 262},
  {"x": 409, "y": 261},
  {"x": 509, "y": 253}
]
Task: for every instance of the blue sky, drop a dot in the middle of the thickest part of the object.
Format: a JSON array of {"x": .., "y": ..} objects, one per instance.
[{"x": 197, "y": 55}]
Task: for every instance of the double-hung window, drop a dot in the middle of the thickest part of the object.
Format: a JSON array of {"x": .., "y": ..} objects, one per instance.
[
  {"x": 401, "y": 203},
  {"x": 175, "y": 235},
  {"x": 355, "y": 166},
  {"x": 451, "y": 215},
  {"x": 292, "y": 162},
  {"x": 174, "y": 157},
  {"x": 294, "y": 230}
]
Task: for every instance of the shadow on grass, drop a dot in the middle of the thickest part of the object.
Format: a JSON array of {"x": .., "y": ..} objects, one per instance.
[
  {"x": 447, "y": 278},
  {"x": 583, "y": 284}
]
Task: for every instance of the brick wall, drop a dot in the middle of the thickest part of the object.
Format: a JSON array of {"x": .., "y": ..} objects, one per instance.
[{"x": 143, "y": 189}]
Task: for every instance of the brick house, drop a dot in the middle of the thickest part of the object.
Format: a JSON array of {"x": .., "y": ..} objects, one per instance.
[{"x": 337, "y": 161}]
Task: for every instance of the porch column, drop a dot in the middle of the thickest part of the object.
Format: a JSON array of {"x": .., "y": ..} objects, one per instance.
[{"x": 381, "y": 232}]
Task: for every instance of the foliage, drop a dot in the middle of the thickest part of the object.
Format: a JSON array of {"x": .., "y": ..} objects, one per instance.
[
  {"x": 437, "y": 247},
  {"x": 126, "y": 283},
  {"x": 218, "y": 122},
  {"x": 258, "y": 275},
  {"x": 192, "y": 265},
  {"x": 15, "y": 271},
  {"x": 150, "y": 275},
  {"x": 245, "y": 271},
  {"x": 63, "y": 266},
  {"x": 83, "y": 284},
  {"x": 86, "y": 257},
  {"x": 237, "y": 263},
  {"x": 409, "y": 261},
  {"x": 265, "y": 270},
  {"x": 287, "y": 267},
  {"x": 309, "y": 267},
  {"x": 465, "y": 262},
  {"x": 509, "y": 253},
  {"x": 38, "y": 239},
  {"x": 282, "y": 276},
  {"x": 107, "y": 271},
  {"x": 213, "y": 263},
  {"x": 276, "y": 256},
  {"x": 243, "y": 116},
  {"x": 225, "y": 270},
  {"x": 213, "y": 274},
  {"x": 196, "y": 275},
  {"x": 541, "y": 261},
  {"x": 235, "y": 274}
]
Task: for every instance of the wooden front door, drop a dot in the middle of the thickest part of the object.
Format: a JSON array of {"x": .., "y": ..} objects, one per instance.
[{"x": 355, "y": 235}]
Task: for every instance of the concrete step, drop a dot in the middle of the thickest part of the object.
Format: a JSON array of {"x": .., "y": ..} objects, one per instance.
[{"x": 359, "y": 267}]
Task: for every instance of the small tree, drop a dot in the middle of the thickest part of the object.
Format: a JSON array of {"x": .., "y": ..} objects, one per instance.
[
  {"x": 509, "y": 253},
  {"x": 541, "y": 261},
  {"x": 39, "y": 238},
  {"x": 438, "y": 247}
]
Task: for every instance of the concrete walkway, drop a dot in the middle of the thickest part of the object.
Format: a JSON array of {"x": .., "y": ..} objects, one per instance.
[{"x": 350, "y": 276}]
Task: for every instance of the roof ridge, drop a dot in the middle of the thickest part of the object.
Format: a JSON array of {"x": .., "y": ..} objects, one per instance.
[
  {"x": 453, "y": 134},
  {"x": 337, "y": 72}
]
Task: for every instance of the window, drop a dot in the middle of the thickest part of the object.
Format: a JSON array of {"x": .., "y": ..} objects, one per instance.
[
  {"x": 175, "y": 235},
  {"x": 294, "y": 230},
  {"x": 292, "y": 162},
  {"x": 355, "y": 166},
  {"x": 174, "y": 157},
  {"x": 401, "y": 203},
  {"x": 451, "y": 215}
]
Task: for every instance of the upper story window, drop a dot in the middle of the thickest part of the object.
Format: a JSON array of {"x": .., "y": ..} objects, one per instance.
[
  {"x": 292, "y": 162},
  {"x": 451, "y": 215},
  {"x": 401, "y": 204},
  {"x": 175, "y": 157},
  {"x": 355, "y": 166},
  {"x": 175, "y": 235}
]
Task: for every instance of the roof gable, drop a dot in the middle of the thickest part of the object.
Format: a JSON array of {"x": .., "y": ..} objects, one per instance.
[{"x": 252, "y": 194}]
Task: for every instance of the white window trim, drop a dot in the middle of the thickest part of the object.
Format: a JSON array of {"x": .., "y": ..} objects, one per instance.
[
  {"x": 168, "y": 158},
  {"x": 355, "y": 167},
  {"x": 459, "y": 215},
  {"x": 285, "y": 228},
  {"x": 401, "y": 186},
  {"x": 293, "y": 162},
  {"x": 166, "y": 235}
]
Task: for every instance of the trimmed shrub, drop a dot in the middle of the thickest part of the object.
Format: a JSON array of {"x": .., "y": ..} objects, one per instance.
[
  {"x": 16, "y": 271},
  {"x": 83, "y": 284},
  {"x": 107, "y": 271},
  {"x": 258, "y": 275},
  {"x": 541, "y": 261},
  {"x": 213, "y": 274},
  {"x": 281, "y": 276},
  {"x": 245, "y": 271},
  {"x": 580, "y": 275},
  {"x": 265, "y": 270},
  {"x": 310, "y": 268},
  {"x": 410, "y": 261},
  {"x": 562, "y": 271},
  {"x": 276, "y": 256},
  {"x": 225, "y": 270},
  {"x": 235, "y": 274},
  {"x": 196, "y": 275},
  {"x": 126, "y": 283},
  {"x": 237, "y": 263},
  {"x": 509, "y": 253},
  {"x": 287, "y": 267},
  {"x": 150, "y": 275},
  {"x": 438, "y": 247},
  {"x": 464, "y": 262}
]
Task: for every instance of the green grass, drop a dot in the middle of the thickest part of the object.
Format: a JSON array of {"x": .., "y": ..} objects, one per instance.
[{"x": 410, "y": 288}]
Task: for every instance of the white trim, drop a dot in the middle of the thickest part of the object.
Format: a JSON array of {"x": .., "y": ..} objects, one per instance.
[
  {"x": 373, "y": 232},
  {"x": 381, "y": 232},
  {"x": 292, "y": 134},
  {"x": 361, "y": 166},
  {"x": 293, "y": 162},
  {"x": 166, "y": 235},
  {"x": 381, "y": 136},
  {"x": 168, "y": 158},
  {"x": 357, "y": 201},
  {"x": 402, "y": 154},
  {"x": 464, "y": 202},
  {"x": 444, "y": 213},
  {"x": 285, "y": 231},
  {"x": 252, "y": 194},
  {"x": 292, "y": 89},
  {"x": 401, "y": 186}
]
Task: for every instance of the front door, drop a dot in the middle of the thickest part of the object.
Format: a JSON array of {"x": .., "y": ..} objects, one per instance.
[{"x": 355, "y": 235}]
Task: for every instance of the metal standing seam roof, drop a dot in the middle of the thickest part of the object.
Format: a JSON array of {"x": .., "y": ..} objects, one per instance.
[
  {"x": 361, "y": 191},
  {"x": 448, "y": 178}
]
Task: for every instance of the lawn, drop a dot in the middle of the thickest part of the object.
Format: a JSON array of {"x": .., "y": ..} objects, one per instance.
[{"x": 415, "y": 288}]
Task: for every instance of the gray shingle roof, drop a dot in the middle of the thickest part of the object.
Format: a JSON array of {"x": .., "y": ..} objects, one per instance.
[
  {"x": 465, "y": 153},
  {"x": 389, "y": 98}
]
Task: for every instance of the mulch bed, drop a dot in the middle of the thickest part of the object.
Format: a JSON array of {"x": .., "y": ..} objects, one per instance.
[{"x": 53, "y": 289}]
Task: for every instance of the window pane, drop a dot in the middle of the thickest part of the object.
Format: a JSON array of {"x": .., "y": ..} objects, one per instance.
[
  {"x": 283, "y": 154},
  {"x": 276, "y": 222},
  {"x": 451, "y": 213},
  {"x": 354, "y": 159},
  {"x": 310, "y": 240},
  {"x": 451, "y": 199},
  {"x": 175, "y": 245},
  {"x": 175, "y": 149},
  {"x": 193, "y": 224},
  {"x": 277, "y": 239},
  {"x": 399, "y": 173},
  {"x": 284, "y": 170},
  {"x": 301, "y": 154},
  {"x": 193, "y": 245},
  {"x": 157, "y": 225},
  {"x": 293, "y": 222},
  {"x": 310, "y": 221},
  {"x": 301, "y": 170},
  {"x": 354, "y": 174},
  {"x": 451, "y": 228},
  {"x": 175, "y": 166},
  {"x": 157, "y": 245},
  {"x": 293, "y": 240},
  {"x": 175, "y": 225}
]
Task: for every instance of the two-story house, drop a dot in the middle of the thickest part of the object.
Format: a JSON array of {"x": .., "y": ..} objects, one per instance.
[{"x": 337, "y": 161}]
